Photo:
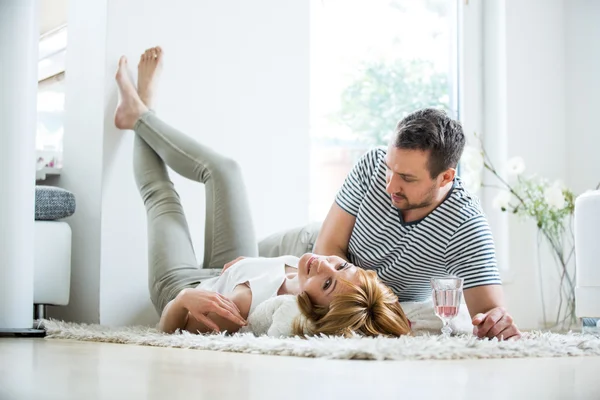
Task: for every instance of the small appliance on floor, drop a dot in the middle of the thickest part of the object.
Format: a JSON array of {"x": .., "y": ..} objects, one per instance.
[{"x": 587, "y": 253}]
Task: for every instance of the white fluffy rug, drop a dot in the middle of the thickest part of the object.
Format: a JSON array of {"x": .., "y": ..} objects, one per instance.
[{"x": 425, "y": 347}]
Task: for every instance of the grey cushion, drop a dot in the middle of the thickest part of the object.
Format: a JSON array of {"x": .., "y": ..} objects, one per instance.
[{"x": 53, "y": 203}]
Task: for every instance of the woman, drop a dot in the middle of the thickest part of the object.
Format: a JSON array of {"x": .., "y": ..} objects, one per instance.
[{"x": 335, "y": 296}]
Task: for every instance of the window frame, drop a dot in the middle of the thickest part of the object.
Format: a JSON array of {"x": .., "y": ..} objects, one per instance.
[{"x": 51, "y": 69}]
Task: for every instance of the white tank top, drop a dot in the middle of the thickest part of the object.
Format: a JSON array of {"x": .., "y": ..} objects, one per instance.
[{"x": 264, "y": 275}]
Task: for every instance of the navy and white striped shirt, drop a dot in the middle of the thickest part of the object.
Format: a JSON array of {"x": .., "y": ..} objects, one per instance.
[{"x": 454, "y": 239}]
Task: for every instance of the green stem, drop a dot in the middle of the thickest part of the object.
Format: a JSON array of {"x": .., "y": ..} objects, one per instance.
[
  {"x": 563, "y": 268},
  {"x": 571, "y": 223},
  {"x": 490, "y": 168},
  {"x": 560, "y": 285},
  {"x": 560, "y": 258},
  {"x": 541, "y": 280},
  {"x": 485, "y": 185},
  {"x": 487, "y": 163},
  {"x": 553, "y": 229},
  {"x": 570, "y": 255}
]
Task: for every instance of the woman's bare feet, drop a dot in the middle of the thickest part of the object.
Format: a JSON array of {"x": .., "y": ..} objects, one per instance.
[
  {"x": 130, "y": 107},
  {"x": 149, "y": 70}
]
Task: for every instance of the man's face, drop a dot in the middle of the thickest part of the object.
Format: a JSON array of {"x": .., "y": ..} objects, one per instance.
[{"x": 408, "y": 181}]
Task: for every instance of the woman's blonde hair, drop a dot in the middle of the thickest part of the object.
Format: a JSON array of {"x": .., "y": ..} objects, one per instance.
[{"x": 369, "y": 309}]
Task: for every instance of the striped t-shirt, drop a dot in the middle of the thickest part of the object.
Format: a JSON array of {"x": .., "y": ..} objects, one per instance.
[{"x": 454, "y": 239}]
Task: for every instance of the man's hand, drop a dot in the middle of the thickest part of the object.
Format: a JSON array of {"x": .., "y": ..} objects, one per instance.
[
  {"x": 230, "y": 263},
  {"x": 200, "y": 302},
  {"x": 495, "y": 323},
  {"x": 488, "y": 316}
]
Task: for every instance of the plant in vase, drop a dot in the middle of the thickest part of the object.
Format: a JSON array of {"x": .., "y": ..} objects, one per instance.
[{"x": 549, "y": 204}]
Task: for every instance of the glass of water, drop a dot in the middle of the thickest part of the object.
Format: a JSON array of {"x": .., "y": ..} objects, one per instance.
[{"x": 447, "y": 295}]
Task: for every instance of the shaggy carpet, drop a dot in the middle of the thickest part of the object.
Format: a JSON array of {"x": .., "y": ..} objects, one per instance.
[{"x": 421, "y": 347}]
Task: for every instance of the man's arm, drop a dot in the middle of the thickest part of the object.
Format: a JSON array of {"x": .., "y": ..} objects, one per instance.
[
  {"x": 490, "y": 318},
  {"x": 471, "y": 255},
  {"x": 482, "y": 299},
  {"x": 335, "y": 232}
]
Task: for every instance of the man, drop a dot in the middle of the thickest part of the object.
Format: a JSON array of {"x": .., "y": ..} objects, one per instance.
[{"x": 404, "y": 213}]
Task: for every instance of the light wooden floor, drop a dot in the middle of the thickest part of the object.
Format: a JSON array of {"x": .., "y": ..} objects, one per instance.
[{"x": 54, "y": 369}]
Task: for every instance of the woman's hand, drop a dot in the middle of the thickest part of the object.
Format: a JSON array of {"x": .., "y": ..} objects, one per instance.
[
  {"x": 230, "y": 263},
  {"x": 200, "y": 302}
]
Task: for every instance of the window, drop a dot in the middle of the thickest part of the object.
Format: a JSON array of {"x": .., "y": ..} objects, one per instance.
[
  {"x": 372, "y": 63},
  {"x": 51, "y": 99}
]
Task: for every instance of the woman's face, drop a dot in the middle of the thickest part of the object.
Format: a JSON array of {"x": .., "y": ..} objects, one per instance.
[{"x": 320, "y": 277}]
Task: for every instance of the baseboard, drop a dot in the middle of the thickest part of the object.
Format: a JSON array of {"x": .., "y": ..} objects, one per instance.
[{"x": 6, "y": 332}]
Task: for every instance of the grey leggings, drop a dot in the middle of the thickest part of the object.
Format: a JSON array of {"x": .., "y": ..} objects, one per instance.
[{"x": 229, "y": 231}]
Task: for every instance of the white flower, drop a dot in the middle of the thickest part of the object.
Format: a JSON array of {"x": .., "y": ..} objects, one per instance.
[
  {"x": 472, "y": 160},
  {"x": 502, "y": 200},
  {"x": 515, "y": 166},
  {"x": 554, "y": 197},
  {"x": 471, "y": 180}
]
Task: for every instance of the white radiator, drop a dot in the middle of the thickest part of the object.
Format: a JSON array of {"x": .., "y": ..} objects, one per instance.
[{"x": 587, "y": 253}]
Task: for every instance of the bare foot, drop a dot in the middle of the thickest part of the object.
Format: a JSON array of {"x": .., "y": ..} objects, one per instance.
[
  {"x": 149, "y": 70},
  {"x": 130, "y": 106}
]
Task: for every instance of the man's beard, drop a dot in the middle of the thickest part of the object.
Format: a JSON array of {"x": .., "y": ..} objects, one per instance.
[{"x": 428, "y": 201}]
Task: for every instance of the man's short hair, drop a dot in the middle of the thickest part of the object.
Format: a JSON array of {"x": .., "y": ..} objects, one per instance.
[{"x": 432, "y": 129}]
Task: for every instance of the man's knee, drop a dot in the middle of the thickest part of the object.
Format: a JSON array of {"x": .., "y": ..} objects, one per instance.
[
  {"x": 295, "y": 241},
  {"x": 311, "y": 232}
]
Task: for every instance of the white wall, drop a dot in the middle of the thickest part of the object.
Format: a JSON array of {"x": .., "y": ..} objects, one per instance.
[
  {"x": 524, "y": 92},
  {"x": 493, "y": 114},
  {"x": 582, "y": 33},
  {"x": 82, "y": 154},
  {"x": 235, "y": 77},
  {"x": 535, "y": 126},
  {"x": 540, "y": 97}
]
